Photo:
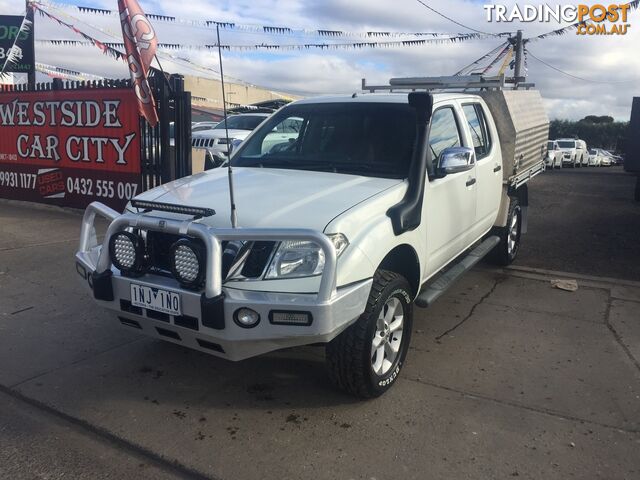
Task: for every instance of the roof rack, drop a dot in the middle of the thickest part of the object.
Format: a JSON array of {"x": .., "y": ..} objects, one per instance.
[{"x": 455, "y": 82}]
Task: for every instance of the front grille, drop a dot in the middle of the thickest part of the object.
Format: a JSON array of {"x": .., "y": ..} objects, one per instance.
[
  {"x": 202, "y": 142},
  {"x": 257, "y": 259},
  {"x": 159, "y": 250},
  {"x": 258, "y": 254}
]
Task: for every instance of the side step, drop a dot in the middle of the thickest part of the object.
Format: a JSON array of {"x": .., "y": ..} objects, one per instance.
[{"x": 444, "y": 280}]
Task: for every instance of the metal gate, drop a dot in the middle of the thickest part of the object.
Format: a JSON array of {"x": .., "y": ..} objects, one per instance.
[{"x": 166, "y": 148}]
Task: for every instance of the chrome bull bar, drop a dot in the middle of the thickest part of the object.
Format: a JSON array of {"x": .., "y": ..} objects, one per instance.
[{"x": 212, "y": 238}]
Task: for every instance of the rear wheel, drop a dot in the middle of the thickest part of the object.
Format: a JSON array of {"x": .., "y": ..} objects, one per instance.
[
  {"x": 505, "y": 252},
  {"x": 365, "y": 360}
]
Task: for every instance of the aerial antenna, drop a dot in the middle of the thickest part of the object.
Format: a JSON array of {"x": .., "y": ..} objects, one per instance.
[{"x": 234, "y": 216}]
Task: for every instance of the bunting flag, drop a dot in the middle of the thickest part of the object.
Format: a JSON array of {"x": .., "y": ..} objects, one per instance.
[
  {"x": 140, "y": 43},
  {"x": 269, "y": 29},
  {"x": 65, "y": 73},
  {"x": 106, "y": 49},
  {"x": 278, "y": 47}
]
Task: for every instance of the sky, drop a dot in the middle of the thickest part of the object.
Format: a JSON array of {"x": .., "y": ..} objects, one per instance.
[{"x": 608, "y": 67}]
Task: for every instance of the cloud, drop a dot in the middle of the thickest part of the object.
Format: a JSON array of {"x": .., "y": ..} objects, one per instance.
[{"x": 599, "y": 59}]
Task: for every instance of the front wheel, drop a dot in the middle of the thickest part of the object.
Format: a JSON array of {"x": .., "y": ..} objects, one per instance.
[
  {"x": 504, "y": 253},
  {"x": 365, "y": 360}
]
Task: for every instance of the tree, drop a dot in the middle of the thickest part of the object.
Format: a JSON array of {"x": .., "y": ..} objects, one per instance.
[
  {"x": 597, "y": 119},
  {"x": 597, "y": 131}
]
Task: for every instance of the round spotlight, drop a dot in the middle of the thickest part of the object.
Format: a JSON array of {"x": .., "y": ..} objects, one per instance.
[
  {"x": 126, "y": 250},
  {"x": 246, "y": 318},
  {"x": 187, "y": 263}
]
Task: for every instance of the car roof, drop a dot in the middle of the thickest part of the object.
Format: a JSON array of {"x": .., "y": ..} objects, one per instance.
[{"x": 381, "y": 98}]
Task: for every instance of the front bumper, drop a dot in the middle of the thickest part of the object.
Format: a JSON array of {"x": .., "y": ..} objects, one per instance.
[{"x": 207, "y": 321}]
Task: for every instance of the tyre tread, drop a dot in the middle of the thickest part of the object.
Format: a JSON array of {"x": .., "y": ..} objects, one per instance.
[{"x": 344, "y": 353}]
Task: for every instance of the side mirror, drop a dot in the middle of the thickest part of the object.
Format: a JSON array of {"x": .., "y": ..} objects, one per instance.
[{"x": 455, "y": 160}]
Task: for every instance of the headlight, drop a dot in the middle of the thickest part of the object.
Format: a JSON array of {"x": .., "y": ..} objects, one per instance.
[
  {"x": 301, "y": 258},
  {"x": 126, "y": 250},
  {"x": 187, "y": 263},
  {"x": 225, "y": 141}
]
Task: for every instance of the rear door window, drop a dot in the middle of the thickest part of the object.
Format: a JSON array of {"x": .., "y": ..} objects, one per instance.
[{"x": 478, "y": 126}]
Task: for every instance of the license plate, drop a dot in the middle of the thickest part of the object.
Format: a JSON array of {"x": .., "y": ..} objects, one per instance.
[{"x": 155, "y": 299}]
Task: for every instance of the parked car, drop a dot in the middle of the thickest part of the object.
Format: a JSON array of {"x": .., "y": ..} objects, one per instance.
[
  {"x": 215, "y": 142},
  {"x": 605, "y": 158},
  {"x": 582, "y": 152},
  {"x": 616, "y": 160},
  {"x": 378, "y": 204},
  {"x": 595, "y": 157},
  {"x": 200, "y": 126},
  {"x": 573, "y": 151},
  {"x": 553, "y": 157}
]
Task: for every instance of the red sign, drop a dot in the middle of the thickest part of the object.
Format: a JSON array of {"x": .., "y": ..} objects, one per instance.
[{"x": 70, "y": 147}]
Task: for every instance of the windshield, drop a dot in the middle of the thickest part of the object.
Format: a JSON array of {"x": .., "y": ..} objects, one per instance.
[
  {"x": 567, "y": 144},
  {"x": 241, "y": 122},
  {"x": 374, "y": 139},
  {"x": 549, "y": 145}
]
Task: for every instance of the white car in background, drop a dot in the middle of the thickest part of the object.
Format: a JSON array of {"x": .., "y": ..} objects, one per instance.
[
  {"x": 200, "y": 126},
  {"x": 574, "y": 152},
  {"x": 605, "y": 158},
  {"x": 215, "y": 142},
  {"x": 553, "y": 158},
  {"x": 582, "y": 152},
  {"x": 595, "y": 157}
]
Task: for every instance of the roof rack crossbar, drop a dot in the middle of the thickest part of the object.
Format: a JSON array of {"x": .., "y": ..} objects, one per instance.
[{"x": 459, "y": 82}]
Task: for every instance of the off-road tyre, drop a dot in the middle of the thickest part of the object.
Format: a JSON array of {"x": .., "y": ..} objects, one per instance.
[
  {"x": 349, "y": 355},
  {"x": 505, "y": 253}
]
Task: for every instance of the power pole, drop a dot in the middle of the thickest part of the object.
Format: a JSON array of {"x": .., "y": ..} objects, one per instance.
[
  {"x": 519, "y": 50},
  {"x": 29, "y": 14}
]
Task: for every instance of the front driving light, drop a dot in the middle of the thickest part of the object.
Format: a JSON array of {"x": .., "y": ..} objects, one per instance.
[
  {"x": 187, "y": 263},
  {"x": 246, "y": 318},
  {"x": 302, "y": 258},
  {"x": 126, "y": 250}
]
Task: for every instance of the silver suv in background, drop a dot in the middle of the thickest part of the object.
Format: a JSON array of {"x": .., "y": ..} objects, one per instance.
[
  {"x": 574, "y": 152},
  {"x": 214, "y": 140}
]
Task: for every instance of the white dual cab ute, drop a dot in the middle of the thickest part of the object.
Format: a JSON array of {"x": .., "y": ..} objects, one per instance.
[{"x": 380, "y": 203}]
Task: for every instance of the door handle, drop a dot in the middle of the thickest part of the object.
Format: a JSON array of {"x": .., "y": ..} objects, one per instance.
[
  {"x": 471, "y": 181},
  {"x": 497, "y": 168}
]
